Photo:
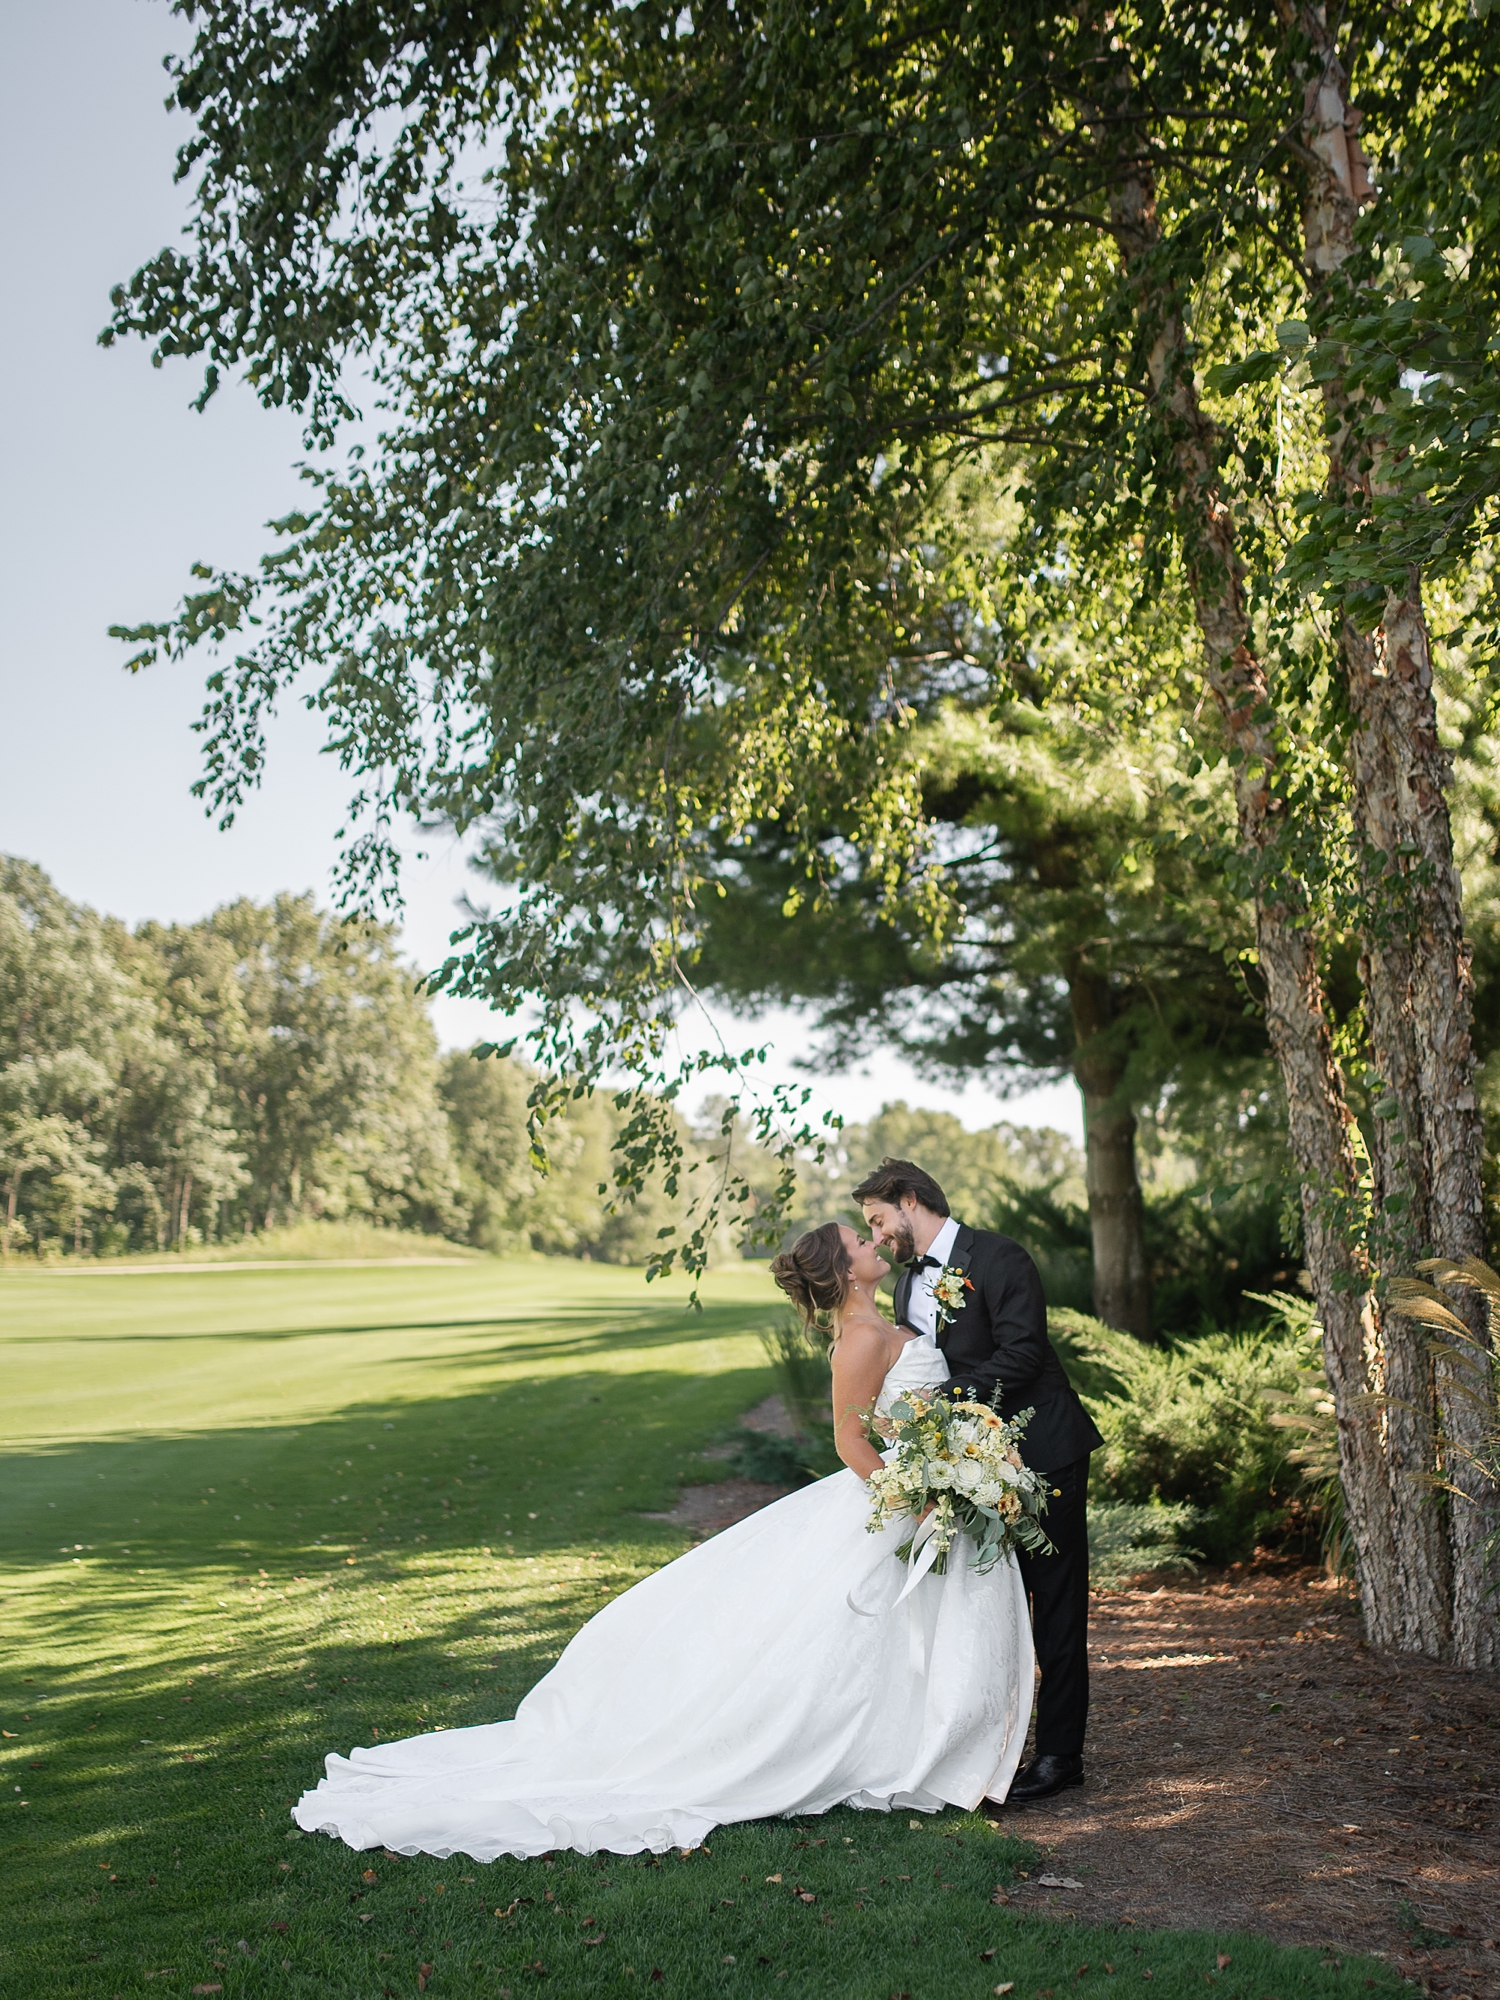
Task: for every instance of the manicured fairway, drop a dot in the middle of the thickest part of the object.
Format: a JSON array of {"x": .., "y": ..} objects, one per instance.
[{"x": 248, "y": 1516}]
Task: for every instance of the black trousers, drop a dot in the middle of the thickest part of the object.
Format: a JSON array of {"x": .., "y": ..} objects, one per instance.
[{"x": 1058, "y": 1586}]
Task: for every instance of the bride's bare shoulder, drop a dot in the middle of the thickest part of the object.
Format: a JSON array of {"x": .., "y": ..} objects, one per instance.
[{"x": 862, "y": 1340}]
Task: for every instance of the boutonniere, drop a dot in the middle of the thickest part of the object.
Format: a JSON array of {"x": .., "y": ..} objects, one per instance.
[{"x": 948, "y": 1289}]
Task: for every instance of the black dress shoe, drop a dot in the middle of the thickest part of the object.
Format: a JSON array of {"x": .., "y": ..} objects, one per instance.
[{"x": 1042, "y": 1778}]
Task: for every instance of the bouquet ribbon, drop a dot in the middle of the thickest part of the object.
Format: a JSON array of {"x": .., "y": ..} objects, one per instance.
[{"x": 924, "y": 1553}]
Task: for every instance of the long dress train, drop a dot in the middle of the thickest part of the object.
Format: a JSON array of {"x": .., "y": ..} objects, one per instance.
[{"x": 768, "y": 1671}]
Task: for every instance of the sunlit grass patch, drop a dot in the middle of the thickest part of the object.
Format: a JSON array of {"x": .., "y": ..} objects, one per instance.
[{"x": 249, "y": 1517}]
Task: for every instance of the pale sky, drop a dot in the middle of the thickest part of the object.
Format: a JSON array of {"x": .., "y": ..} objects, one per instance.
[{"x": 114, "y": 486}]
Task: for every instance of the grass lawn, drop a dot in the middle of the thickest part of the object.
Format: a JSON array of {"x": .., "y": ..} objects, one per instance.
[{"x": 249, "y": 1516}]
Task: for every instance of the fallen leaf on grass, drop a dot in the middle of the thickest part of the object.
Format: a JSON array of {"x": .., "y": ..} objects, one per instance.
[
  {"x": 1224, "y": 1961},
  {"x": 1006, "y": 1986},
  {"x": 367, "y": 1916},
  {"x": 806, "y": 1896},
  {"x": 597, "y": 1938},
  {"x": 424, "y": 1973},
  {"x": 999, "y": 1897},
  {"x": 1058, "y": 1882},
  {"x": 773, "y": 1878},
  {"x": 657, "y": 1973},
  {"x": 214, "y": 1988},
  {"x": 985, "y": 1957},
  {"x": 369, "y": 1876}
]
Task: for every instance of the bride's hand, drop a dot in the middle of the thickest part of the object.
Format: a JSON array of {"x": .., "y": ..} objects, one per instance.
[{"x": 882, "y": 1427}]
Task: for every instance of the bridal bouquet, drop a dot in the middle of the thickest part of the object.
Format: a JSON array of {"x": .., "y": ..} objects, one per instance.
[{"x": 960, "y": 1460}]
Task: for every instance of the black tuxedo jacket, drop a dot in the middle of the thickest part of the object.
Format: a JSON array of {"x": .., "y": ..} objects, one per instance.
[{"x": 999, "y": 1335}]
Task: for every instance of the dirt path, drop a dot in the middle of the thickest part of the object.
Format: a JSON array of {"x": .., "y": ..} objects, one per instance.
[
  {"x": 1253, "y": 1765},
  {"x": 707, "y": 1510}
]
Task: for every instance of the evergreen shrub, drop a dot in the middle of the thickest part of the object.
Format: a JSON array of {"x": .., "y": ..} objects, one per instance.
[
  {"x": 1193, "y": 1424},
  {"x": 1125, "y": 1540},
  {"x": 1207, "y": 1263}
]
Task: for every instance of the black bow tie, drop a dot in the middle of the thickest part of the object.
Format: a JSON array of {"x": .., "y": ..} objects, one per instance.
[{"x": 916, "y": 1264}]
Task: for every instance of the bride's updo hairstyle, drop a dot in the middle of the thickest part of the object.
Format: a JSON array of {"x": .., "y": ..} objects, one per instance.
[{"x": 814, "y": 1274}]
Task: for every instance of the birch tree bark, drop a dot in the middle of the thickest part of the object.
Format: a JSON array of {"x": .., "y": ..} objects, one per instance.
[
  {"x": 1319, "y": 1119},
  {"x": 1415, "y": 967}
]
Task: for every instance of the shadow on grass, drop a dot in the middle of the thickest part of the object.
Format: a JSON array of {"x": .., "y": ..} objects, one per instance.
[
  {"x": 547, "y": 1456},
  {"x": 635, "y": 1326}
]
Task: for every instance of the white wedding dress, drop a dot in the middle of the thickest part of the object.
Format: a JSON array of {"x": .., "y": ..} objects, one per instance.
[{"x": 768, "y": 1671}]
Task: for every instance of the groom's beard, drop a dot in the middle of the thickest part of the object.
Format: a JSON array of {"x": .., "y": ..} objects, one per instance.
[{"x": 901, "y": 1242}]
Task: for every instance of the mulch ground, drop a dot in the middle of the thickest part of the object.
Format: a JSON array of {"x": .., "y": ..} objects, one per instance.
[{"x": 1254, "y": 1765}]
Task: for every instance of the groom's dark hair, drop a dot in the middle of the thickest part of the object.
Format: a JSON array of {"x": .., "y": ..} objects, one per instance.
[{"x": 893, "y": 1180}]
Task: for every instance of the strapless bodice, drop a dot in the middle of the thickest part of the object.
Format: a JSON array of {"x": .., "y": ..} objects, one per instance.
[{"x": 919, "y": 1366}]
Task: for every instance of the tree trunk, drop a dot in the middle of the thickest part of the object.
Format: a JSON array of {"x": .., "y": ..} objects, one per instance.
[
  {"x": 1318, "y": 1117},
  {"x": 1428, "y": 1149},
  {"x": 1117, "y": 1218}
]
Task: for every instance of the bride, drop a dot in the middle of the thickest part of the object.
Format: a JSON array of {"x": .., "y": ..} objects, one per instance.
[{"x": 768, "y": 1671}]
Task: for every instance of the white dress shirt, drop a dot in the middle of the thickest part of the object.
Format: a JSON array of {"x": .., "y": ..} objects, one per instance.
[{"x": 921, "y": 1305}]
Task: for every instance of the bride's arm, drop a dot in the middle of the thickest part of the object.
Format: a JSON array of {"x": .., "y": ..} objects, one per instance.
[{"x": 859, "y": 1367}]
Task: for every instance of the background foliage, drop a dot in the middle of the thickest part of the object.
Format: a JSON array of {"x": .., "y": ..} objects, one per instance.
[{"x": 267, "y": 1067}]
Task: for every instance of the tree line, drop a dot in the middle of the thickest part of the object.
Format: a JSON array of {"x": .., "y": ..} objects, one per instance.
[
  {"x": 777, "y": 398},
  {"x": 182, "y": 1084},
  {"x": 179, "y": 1084}
]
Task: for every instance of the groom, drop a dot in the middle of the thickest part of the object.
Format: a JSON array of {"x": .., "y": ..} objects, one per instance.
[{"x": 998, "y": 1337}]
